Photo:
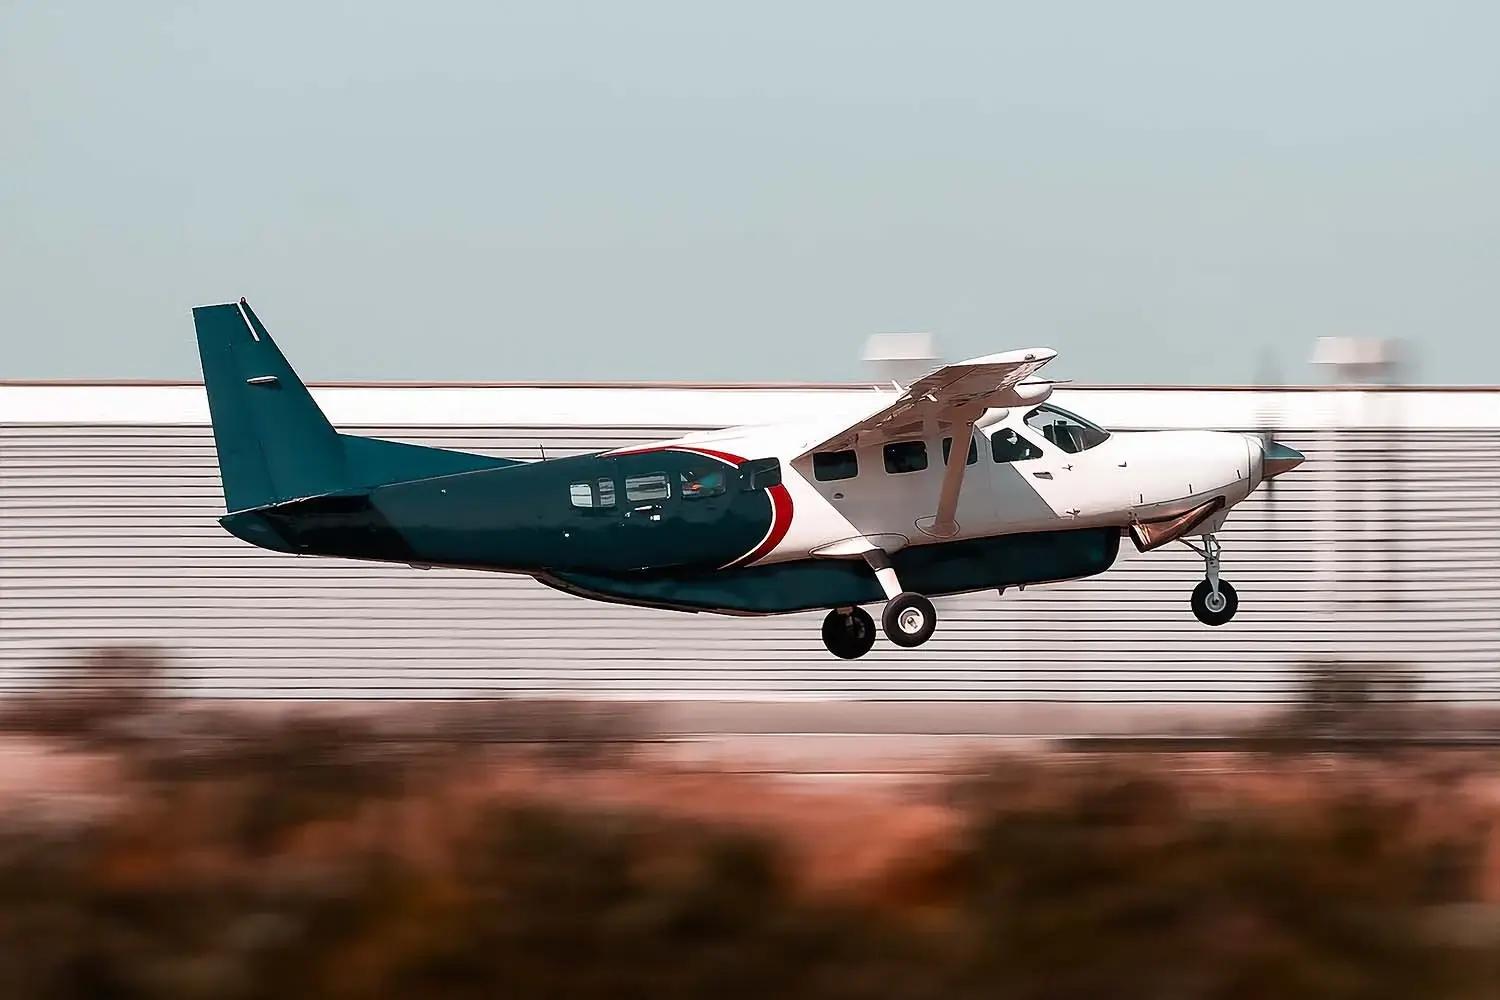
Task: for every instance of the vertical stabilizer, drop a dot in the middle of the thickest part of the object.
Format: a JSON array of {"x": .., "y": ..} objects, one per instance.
[{"x": 274, "y": 443}]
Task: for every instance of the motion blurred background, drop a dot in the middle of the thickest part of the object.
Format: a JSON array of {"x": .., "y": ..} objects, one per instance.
[{"x": 528, "y": 229}]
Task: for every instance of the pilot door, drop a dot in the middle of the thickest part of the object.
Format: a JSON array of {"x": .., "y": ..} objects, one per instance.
[{"x": 1034, "y": 485}]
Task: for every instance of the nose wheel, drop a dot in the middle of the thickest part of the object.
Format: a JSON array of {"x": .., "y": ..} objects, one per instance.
[
  {"x": 1214, "y": 600},
  {"x": 1215, "y": 608}
]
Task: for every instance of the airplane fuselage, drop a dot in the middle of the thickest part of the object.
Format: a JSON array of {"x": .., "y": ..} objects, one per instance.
[
  {"x": 967, "y": 479},
  {"x": 687, "y": 524}
]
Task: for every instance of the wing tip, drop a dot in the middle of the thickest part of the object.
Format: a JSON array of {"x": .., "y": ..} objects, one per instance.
[{"x": 1024, "y": 355}]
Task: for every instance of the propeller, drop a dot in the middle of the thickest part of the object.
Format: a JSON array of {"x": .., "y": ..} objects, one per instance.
[{"x": 1269, "y": 418}]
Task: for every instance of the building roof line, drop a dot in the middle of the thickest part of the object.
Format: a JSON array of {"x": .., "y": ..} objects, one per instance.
[{"x": 741, "y": 386}]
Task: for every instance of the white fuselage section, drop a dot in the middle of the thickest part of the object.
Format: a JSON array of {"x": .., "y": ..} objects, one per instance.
[{"x": 1021, "y": 480}]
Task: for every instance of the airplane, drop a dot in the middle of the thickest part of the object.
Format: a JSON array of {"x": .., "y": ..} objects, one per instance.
[{"x": 966, "y": 480}]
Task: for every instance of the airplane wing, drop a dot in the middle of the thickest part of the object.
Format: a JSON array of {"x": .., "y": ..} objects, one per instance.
[{"x": 953, "y": 395}]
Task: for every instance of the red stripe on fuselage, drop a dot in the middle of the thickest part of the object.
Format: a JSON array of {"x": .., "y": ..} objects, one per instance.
[
  {"x": 781, "y": 499},
  {"x": 781, "y": 522}
]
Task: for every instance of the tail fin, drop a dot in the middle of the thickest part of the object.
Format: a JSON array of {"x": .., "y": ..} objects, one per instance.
[{"x": 274, "y": 443}]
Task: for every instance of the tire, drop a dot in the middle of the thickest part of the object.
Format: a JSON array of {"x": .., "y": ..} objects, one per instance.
[
  {"x": 909, "y": 619},
  {"x": 1215, "y": 615},
  {"x": 849, "y": 636}
]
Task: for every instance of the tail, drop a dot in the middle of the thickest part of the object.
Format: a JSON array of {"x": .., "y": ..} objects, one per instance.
[{"x": 274, "y": 443}]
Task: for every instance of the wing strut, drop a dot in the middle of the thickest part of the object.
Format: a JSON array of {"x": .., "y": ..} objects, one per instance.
[{"x": 944, "y": 525}]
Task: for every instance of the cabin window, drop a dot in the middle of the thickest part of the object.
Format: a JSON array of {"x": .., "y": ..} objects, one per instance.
[
  {"x": 905, "y": 456},
  {"x": 1068, "y": 431},
  {"x": 654, "y": 486},
  {"x": 973, "y": 450},
  {"x": 760, "y": 474},
  {"x": 1008, "y": 446},
  {"x": 701, "y": 485},
  {"x": 831, "y": 465},
  {"x": 587, "y": 496}
]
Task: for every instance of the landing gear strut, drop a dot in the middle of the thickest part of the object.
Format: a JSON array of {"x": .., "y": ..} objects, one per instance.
[
  {"x": 849, "y": 633},
  {"x": 1214, "y": 600},
  {"x": 909, "y": 618}
]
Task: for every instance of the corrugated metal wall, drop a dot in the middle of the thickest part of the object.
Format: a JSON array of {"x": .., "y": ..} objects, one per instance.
[{"x": 1384, "y": 548}]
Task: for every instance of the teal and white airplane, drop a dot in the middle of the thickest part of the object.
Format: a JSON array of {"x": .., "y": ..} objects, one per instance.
[{"x": 965, "y": 480}]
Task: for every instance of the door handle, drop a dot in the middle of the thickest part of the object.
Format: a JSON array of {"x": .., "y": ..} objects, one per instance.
[
  {"x": 1123, "y": 464},
  {"x": 1042, "y": 475}
]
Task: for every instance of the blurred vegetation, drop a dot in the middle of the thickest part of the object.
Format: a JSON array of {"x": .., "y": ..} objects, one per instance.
[
  {"x": 1355, "y": 700},
  {"x": 273, "y": 854}
]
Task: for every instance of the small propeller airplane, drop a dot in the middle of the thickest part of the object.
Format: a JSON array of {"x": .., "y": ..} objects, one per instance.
[{"x": 966, "y": 480}]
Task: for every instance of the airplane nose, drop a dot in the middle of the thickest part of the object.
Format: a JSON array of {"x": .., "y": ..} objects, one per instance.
[{"x": 1279, "y": 458}]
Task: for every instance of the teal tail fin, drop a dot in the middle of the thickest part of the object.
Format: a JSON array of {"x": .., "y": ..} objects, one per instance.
[{"x": 274, "y": 443}]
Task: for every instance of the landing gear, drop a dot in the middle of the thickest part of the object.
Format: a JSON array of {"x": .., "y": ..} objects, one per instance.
[
  {"x": 849, "y": 634},
  {"x": 909, "y": 619},
  {"x": 1214, "y": 600},
  {"x": 1212, "y": 608}
]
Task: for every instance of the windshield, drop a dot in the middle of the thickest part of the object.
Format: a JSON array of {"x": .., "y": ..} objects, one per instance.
[{"x": 1068, "y": 431}]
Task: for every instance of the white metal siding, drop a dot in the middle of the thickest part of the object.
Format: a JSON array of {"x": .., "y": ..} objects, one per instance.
[{"x": 1384, "y": 547}]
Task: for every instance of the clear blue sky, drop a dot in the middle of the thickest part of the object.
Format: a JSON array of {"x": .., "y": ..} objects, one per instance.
[{"x": 1162, "y": 191}]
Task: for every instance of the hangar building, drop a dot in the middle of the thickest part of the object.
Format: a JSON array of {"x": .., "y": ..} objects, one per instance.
[{"x": 1382, "y": 550}]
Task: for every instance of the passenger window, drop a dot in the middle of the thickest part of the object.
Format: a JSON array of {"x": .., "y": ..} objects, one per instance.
[
  {"x": 973, "y": 451},
  {"x": 831, "y": 465},
  {"x": 760, "y": 474},
  {"x": 905, "y": 456},
  {"x": 606, "y": 493},
  {"x": 1008, "y": 446},
  {"x": 1068, "y": 431},
  {"x": 650, "y": 487},
  {"x": 701, "y": 485},
  {"x": 582, "y": 495}
]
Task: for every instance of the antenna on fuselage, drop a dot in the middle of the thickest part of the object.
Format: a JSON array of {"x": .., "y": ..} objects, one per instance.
[{"x": 543, "y": 449}]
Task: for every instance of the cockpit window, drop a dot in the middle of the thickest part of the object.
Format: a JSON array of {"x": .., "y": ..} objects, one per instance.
[
  {"x": 1007, "y": 446},
  {"x": 1070, "y": 432}
]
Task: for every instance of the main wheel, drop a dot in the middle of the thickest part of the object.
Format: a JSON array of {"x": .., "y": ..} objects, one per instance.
[
  {"x": 849, "y": 635},
  {"x": 1215, "y": 609},
  {"x": 909, "y": 619}
]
